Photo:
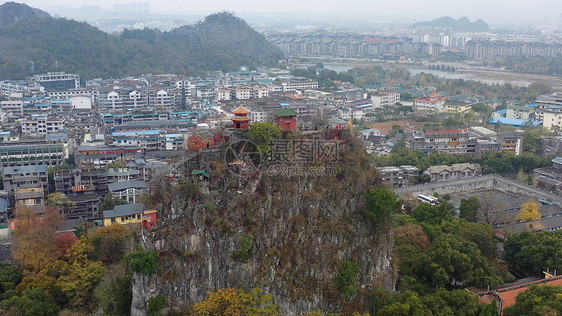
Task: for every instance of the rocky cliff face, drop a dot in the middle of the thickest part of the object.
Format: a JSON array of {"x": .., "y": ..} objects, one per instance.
[{"x": 299, "y": 230}]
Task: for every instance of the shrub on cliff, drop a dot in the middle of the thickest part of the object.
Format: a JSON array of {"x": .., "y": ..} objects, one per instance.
[
  {"x": 143, "y": 261},
  {"x": 381, "y": 203}
]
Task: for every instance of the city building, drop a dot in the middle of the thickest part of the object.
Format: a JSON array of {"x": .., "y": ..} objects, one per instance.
[
  {"x": 433, "y": 102},
  {"x": 550, "y": 178},
  {"x": 100, "y": 155},
  {"x": 42, "y": 125},
  {"x": 129, "y": 191},
  {"x": 385, "y": 99},
  {"x": 129, "y": 214},
  {"x": 453, "y": 172},
  {"x": 24, "y": 177},
  {"x": 519, "y": 112},
  {"x": 58, "y": 81},
  {"x": 546, "y": 101},
  {"x": 286, "y": 119},
  {"x": 241, "y": 119},
  {"x": 451, "y": 141},
  {"x": 32, "y": 154},
  {"x": 400, "y": 176}
]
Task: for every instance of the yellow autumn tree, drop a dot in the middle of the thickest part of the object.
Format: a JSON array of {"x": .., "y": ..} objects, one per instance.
[
  {"x": 232, "y": 302},
  {"x": 34, "y": 246},
  {"x": 529, "y": 213},
  {"x": 222, "y": 302}
]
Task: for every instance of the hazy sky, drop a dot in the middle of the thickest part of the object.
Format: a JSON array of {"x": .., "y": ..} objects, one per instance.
[{"x": 493, "y": 11}]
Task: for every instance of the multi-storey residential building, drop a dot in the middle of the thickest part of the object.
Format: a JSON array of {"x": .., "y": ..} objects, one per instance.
[
  {"x": 294, "y": 84},
  {"x": 260, "y": 92},
  {"x": 224, "y": 94},
  {"x": 7, "y": 88},
  {"x": 519, "y": 112},
  {"x": 452, "y": 141},
  {"x": 122, "y": 174},
  {"x": 551, "y": 146},
  {"x": 32, "y": 154},
  {"x": 550, "y": 178},
  {"x": 457, "y": 171},
  {"x": 13, "y": 106},
  {"x": 433, "y": 102},
  {"x": 130, "y": 191},
  {"x": 150, "y": 139},
  {"x": 174, "y": 141},
  {"x": 78, "y": 181},
  {"x": 41, "y": 125},
  {"x": 243, "y": 93},
  {"x": 164, "y": 99},
  {"x": 552, "y": 117},
  {"x": 385, "y": 99},
  {"x": 485, "y": 49},
  {"x": 29, "y": 197},
  {"x": 400, "y": 176},
  {"x": 546, "y": 101},
  {"x": 511, "y": 141},
  {"x": 65, "y": 95},
  {"x": 259, "y": 116},
  {"x": 99, "y": 156},
  {"x": 24, "y": 177},
  {"x": 58, "y": 81}
]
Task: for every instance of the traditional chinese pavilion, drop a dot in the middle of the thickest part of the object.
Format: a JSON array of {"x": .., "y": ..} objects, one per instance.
[
  {"x": 286, "y": 119},
  {"x": 241, "y": 119}
]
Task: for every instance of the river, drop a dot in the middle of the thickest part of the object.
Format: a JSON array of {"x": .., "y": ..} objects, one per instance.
[{"x": 488, "y": 77}]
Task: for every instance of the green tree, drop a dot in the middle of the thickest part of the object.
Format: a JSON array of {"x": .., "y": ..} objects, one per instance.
[
  {"x": 346, "y": 279},
  {"x": 469, "y": 208},
  {"x": 535, "y": 251},
  {"x": 432, "y": 214},
  {"x": 537, "y": 300},
  {"x": 263, "y": 133},
  {"x": 381, "y": 203},
  {"x": 156, "y": 304},
  {"x": 34, "y": 301},
  {"x": 10, "y": 276},
  {"x": 115, "y": 292},
  {"x": 532, "y": 142},
  {"x": 143, "y": 261}
]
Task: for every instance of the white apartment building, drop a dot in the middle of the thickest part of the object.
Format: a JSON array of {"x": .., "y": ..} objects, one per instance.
[
  {"x": 348, "y": 114},
  {"x": 261, "y": 92},
  {"x": 41, "y": 126},
  {"x": 545, "y": 101},
  {"x": 519, "y": 112},
  {"x": 552, "y": 117},
  {"x": 243, "y": 93},
  {"x": 385, "y": 99},
  {"x": 14, "y": 107},
  {"x": 223, "y": 94},
  {"x": 258, "y": 116},
  {"x": 299, "y": 84}
]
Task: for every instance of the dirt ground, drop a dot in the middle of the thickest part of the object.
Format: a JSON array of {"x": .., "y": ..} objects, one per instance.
[{"x": 385, "y": 127}]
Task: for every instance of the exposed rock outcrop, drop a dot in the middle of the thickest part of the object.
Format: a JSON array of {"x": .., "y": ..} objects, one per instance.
[{"x": 299, "y": 228}]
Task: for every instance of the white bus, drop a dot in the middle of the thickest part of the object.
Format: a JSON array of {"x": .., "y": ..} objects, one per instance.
[{"x": 428, "y": 199}]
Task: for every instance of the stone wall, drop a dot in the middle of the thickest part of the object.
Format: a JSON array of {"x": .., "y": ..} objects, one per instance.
[{"x": 483, "y": 182}]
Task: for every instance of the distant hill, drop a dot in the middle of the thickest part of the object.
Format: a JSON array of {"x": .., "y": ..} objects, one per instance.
[
  {"x": 11, "y": 13},
  {"x": 461, "y": 25},
  {"x": 220, "y": 42}
]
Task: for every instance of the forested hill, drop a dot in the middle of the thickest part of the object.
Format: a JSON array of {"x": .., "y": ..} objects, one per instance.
[
  {"x": 461, "y": 25},
  {"x": 219, "y": 42},
  {"x": 11, "y": 12}
]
